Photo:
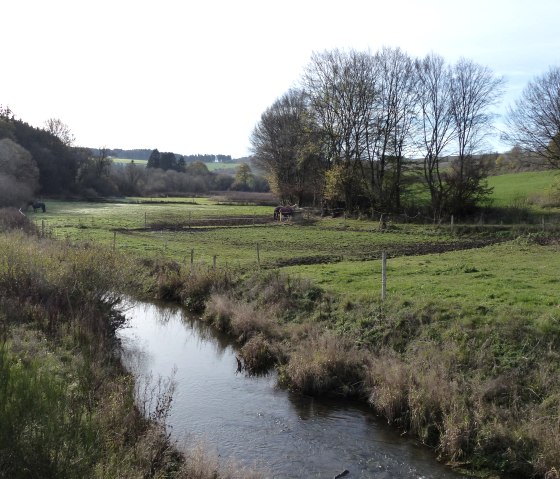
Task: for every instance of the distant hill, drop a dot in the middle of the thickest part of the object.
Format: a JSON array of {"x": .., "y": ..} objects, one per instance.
[
  {"x": 136, "y": 154},
  {"x": 144, "y": 154}
]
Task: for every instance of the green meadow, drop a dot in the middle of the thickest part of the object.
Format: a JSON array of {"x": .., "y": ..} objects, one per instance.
[
  {"x": 340, "y": 255},
  {"x": 126, "y": 161},
  {"x": 210, "y": 166},
  {"x": 232, "y": 233},
  {"x": 487, "y": 281},
  {"x": 523, "y": 189},
  {"x": 462, "y": 354}
]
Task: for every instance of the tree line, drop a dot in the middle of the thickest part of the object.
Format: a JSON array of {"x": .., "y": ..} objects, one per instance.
[
  {"x": 361, "y": 130},
  {"x": 43, "y": 162},
  {"x": 144, "y": 154},
  {"x": 178, "y": 178}
]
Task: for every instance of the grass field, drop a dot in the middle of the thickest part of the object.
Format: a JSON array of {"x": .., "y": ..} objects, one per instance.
[
  {"x": 232, "y": 232},
  {"x": 522, "y": 189},
  {"x": 478, "y": 279},
  {"x": 340, "y": 255},
  {"x": 463, "y": 354},
  {"x": 126, "y": 161},
  {"x": 210, "y": 166}
]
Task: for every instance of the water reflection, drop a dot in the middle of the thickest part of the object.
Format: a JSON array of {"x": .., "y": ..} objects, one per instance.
[{"x": 254, "y": 422}]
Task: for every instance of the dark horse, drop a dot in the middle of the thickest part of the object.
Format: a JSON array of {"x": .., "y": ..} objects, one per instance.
[
  {"x": 281, "y": 212},
  {"x": 37, "y": 205}
]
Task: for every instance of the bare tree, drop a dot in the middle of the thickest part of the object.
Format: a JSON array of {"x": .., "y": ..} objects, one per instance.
[
  {"x": 102, "y": 162},
  {"x": 365, "y": 106},
  {"x": 134, "y": 174},
  {"x": 284, "y": 146},
  {"x": 391, "y": 122},
  {"x": 474, "y": 90},
  {"x": 61, "y": 130},
  {"x": 341, "y": 89},
  {"x": 534, "y": 121},
  {"x": 436, "y": 126},
  {"x": 94, "y": 171}
]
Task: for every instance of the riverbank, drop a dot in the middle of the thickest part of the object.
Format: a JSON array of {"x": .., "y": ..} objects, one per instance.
[
  {"x": 476, "y": 380},
  {"x": 67, "y": 406},
  {"x": 470, "y": 368}
]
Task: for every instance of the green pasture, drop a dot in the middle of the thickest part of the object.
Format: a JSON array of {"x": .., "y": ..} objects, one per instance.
[
  {"x": 492, "y": 281},
  {"x": 151, "y": 229},
  {"x": 210, "y": 166},
  {"x": 222, "y": 166},
  {"x": 535, "y": 191},
  {"x": 126, "y": 161},
  {"x": 522, "y": 189},
  {"x": 340, "y": 255},
  {"x": 138, "y": 212}
]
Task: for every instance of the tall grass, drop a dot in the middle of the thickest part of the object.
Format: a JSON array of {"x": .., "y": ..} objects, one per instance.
[
  {"x": 67, "y": 407},
  {"x": 325, "y": 364},
  {"x": 472, "y": 370},
  {"x": 484, "y": 393},
  {"x": 486, "y": 396}
]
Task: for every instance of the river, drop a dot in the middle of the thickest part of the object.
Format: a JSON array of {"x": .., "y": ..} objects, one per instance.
[{"x": 252, "y": 421}]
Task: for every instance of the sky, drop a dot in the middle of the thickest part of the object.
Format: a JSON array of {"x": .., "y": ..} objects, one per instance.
[{"x": 195, "y": 76}]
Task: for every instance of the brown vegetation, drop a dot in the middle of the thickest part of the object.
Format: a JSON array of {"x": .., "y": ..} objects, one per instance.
[
  {"x": 485, "y": 398},
  {"x": 69, "y": 410},
  {"x": 485, "y": 395}
]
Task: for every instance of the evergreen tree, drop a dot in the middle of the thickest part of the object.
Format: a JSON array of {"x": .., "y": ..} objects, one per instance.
[{"x": 154, "y": 159}]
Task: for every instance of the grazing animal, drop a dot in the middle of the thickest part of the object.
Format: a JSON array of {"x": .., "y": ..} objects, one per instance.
[
  {"x": 281, "y": 212},
  {"x": 37, "y": 205}
]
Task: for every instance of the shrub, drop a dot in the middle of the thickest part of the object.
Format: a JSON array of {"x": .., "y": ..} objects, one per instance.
[
  {"x": 291, "y": 296},
  {"x": 45, "y": 425},
  {"x": 219, "y": 311},
  {"x": 197, "y": 285},
  {"x": 12, "y": 219},
  {"x": 258, "y": 354},
  {"x": 387, "y": 380},
  {"x": 325, "y": 364},
  {"x": 239, "y": 318}
]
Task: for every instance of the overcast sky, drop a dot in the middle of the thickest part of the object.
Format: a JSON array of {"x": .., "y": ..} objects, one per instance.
[{"x": 195, "y": 76}]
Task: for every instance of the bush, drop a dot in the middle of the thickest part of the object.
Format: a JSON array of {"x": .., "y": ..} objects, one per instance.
[
  {"x": 45, "y": 425},
  {"x": 239, "y": 318},
  {"x": 13, "y": 219},
  {"x": 325, "y": 364},
  {"x": 197, "y": 285},
  {"x": 258, "y": 354}
]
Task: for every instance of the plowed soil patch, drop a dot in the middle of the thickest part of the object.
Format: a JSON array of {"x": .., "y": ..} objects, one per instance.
[{"x": 392, "y": 252}]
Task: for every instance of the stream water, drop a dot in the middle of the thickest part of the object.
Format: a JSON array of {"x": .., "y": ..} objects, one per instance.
[{"x": 252, "y": 421}]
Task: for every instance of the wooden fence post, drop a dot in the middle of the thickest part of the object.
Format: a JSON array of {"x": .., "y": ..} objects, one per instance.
[
  {"x": 192, "y": 257},
  {"x": 258, "y": 256},
  {"x": 383, "y": 275},
  {"x": 214, "y": 262}
]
